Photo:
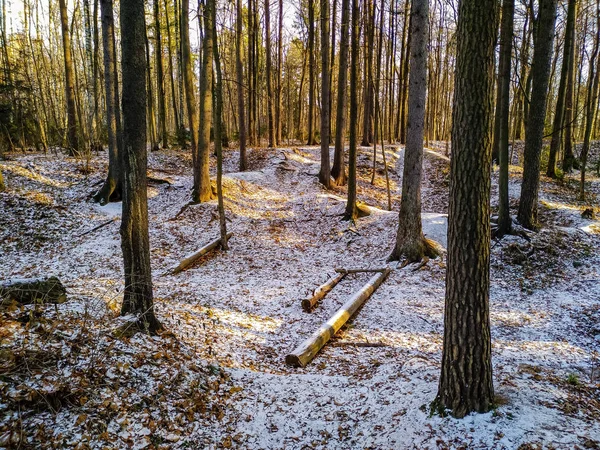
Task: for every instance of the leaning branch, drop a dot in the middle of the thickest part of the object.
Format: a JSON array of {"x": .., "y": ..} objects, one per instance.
[
  {"x": 311, "y": 346},
  {"x": 309, "y": 303}
]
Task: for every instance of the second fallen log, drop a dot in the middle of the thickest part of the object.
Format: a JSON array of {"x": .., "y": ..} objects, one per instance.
[
  {"x": 36, "y": 290},
  {"x": 311, "y": 346},
  {"x": 309, "y": 303},
  {"x": 193, "y": 257}
]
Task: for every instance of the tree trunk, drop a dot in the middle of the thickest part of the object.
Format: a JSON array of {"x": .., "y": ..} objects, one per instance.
[
  {"x": 160, "y": 82},
  {"x": 239, "y": 71},
  {"x": 279, "y": 72},
  {"x": 506, "y": 36},
  {"x": 268, "y": 64},
  {"x": 540, "y": 74},
  {"x": 369, "y": 15},
  {"x": 311, "y": 72},
  {"x": 559, "y": 114},
  {"x": 591, "y": 102},
  {"x": 202, "y": 191},
  {"x": 69, "y": 81},
  {"x": 171, "y": 70},
  {"x": 135, "y": 241},
  {"x": 410, "y": 242},
  {"x": 111, "y": 190},
  {"x": 325, "y": 172},
  {"x": 217, "y": 124},
  {"x": 188, "y": 76},
  {"x": 338, "y": 171},
  {"x": 569, "y": 160},
  {"x": 466, "y": 376},
  {"x": 351, "y": 212}
]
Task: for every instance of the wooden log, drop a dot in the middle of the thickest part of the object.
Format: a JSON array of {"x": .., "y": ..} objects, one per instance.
[
  {"x": 306, "y": 351},
  {"x": 346, "y": 271},
  {"x": 193, "y": 257},
  {"x": 37, "y": 290},
  {"x": 309, "y": 303}
]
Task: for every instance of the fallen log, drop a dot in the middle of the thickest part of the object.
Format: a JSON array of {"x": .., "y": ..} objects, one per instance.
[
  {"x": 193, "y": 257},
  {"x": 346, "y": 271},
  {"x": 309, "y": 303},
  {"x": 37, "y": 290},
  {"x": 306, "y": 351}
]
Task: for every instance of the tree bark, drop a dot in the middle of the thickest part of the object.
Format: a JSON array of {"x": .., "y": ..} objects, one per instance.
[
  {"x": 338, "y": 171},
  {"x": 135, "y": 241},
  {"x": 506, "y": 36},
  {"x": 239, "y": 72},
  {"x": 111, "y": 190},
  {"x": 369, "y": 15},
  {"x": 540, "y": 74},
  {"x": 188, "y": 76},
  {"x": 202, "y": 191},
  {"x": 311, "y": 72},
  {"x": 410, "y": 242},
  {"x": 69, "y": 81},
  {"x": 325, "y": 172},
  {"x": 351, "y": 212},
  {"x": 569, "y": 161},
  {"x": 268, "y": 74},
  {"x": 466, "y": 376},
  {"x": 160, "y": 82}
]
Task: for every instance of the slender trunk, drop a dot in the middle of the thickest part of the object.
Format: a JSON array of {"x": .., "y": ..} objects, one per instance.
[
  {"x": 240, "y": 86},
  {"x": 325, "y": 172},
  {"x": 202, "y": 191},
  {"x": 569, "y": 161},
  {"x": 73, "y": 141},
  {"x": 351, "y": 212},
  {"x": 270, "y": 117},
  {"x": 311, "y": 72},
  {"x": 540, "y": 74},
  {"x": 160, "y": 82},
  {"x": 338, "y": 171},
  {"x": 188, "y": 76},
  {"x": 369, "y": 15}
]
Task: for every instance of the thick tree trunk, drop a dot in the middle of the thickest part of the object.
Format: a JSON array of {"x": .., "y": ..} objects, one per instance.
[
  {"x": 325, "y": 172},
  {"x": 466, "y": 375},
  {"x": 202, "y": 191},
  {"x": 239, "y": 72},
  {"x": 69, "y": 81},
  {"x": 111, "y": 190},
  {"x": 135, "y": 241},
  {"x": 351, "y": 212},
  {"x": 506, "y": 35},
  {"x": 410, "y": 242},
  {"x": 540, "y": 74},
  {"x": 338, "y": 171}
]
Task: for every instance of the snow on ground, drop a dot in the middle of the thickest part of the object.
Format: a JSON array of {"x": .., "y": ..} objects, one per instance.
[{"x": 217, "y": 378}]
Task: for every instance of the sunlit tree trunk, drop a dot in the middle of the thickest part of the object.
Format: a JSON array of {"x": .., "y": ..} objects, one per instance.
[
  {"x": 240, "y": 86},
  {"x": 325, "y": 172},
  {"x": 72, "y": 135}
]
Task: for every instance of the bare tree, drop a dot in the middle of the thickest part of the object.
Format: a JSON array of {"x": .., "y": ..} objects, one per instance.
[{"x": 325, "y": 172}]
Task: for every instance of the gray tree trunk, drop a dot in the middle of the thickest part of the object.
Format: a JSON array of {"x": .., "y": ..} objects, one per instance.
[{"x": 325, "y": 172}]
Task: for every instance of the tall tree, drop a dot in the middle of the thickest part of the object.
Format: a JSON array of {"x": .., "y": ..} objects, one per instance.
[
  {"x": 268, "y": 74},
  {"x": 160, "y": 83},
  {"x": 369, "y": 18},
  {"x": 591, "y": 106},
  {"x": 188, "y": 76},
  {"x": 72, "y": 132},
  {"x": 135, "y": 241},
  {"x": 202, "y": 191},
  {"x": 503, "y": 100},
  {"x": 410, "y": 242},
  {"x": 569, "y": 161},
  {"x": 351, "y": 212},
  {"x": 111, "y": 189},
  {"x": 466, "y": 376},
  {"x": 217, "y": 119},
  {"x": 325, "y": 172},
  {"x": 239, "y": 72},
  {"x": 311, "y": 72},
  {"x": 559, "y": 113},
  {"x": 338, "y": 171},
  {"x": 540, "y": 75}
]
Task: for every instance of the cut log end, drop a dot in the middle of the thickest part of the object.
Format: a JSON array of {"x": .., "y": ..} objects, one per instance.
[{"x": 293, "y": 360}]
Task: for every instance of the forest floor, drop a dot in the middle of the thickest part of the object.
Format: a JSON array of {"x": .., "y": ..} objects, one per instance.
[{"x": 216, "y": 378}]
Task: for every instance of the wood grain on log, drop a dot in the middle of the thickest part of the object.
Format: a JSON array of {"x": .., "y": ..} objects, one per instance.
[
  {"x": 193, "y": 257},
  {"x": 311, "y": 346},
  {"x": 309, "y": 303}
]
